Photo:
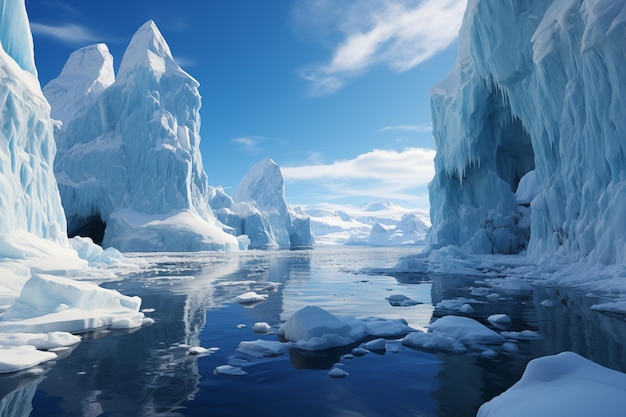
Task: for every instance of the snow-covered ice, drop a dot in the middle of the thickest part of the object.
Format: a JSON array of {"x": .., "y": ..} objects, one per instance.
[
  {"x": 561, "y": 385},
  {"x": 433, "y": 341},
  {"x": 146, "y": 124},
  {"x": 466, "y": 330},
  {"x": 259, "y": 210},
  {"x": 250, "y": 297},
  {"x": 313, "y": 328},
  {"x": 264, "y": 348}
]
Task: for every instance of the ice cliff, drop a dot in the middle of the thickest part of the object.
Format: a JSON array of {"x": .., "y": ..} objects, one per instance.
[
  {"x": 539, "y": 90},
  {"x": 128, "y": 166},
  {"x": 259, "y": 210},
  {"x": 29, "y": 198}
]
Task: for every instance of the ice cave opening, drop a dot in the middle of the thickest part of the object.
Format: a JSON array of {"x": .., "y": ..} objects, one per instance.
[
  {"x": 514, "y": 154},
  {"x": 92, "y": 227}
]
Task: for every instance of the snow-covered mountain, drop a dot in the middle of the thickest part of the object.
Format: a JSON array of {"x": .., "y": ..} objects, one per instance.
[
  {"x": 538, "y": 87},
  {"x": 379, "y": 223},
  {"x": 259, "y": 210},
  {"x": 128, "y": 166}
]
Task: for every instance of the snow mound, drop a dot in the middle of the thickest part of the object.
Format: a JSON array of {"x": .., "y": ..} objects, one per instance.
[{"x": 561, "y": 385}]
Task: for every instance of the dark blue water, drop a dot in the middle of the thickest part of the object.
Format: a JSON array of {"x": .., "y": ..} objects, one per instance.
[{"x": 144, "y": 373}]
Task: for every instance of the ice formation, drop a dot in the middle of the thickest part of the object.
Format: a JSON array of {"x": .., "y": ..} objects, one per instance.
[
  {"x": 30, "y": 200},
  {"x": 565, "y": 384},
  {"x": 537, "y": 91},
  {"x": 258, "y": 209},
  {"x": 87, "y": 73},
  {"x": 379, "y": 224},
  {"x": 128, "y": 166}
]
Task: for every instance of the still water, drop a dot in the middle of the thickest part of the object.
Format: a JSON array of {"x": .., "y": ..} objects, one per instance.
[{"x": 144, "y": 372}]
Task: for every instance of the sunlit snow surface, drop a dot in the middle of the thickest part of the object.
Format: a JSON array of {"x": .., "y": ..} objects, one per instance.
[{"x": 538, "y": 89}]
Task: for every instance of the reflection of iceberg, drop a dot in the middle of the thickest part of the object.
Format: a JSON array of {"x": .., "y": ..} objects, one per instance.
[{"x": 18, "y": 403}]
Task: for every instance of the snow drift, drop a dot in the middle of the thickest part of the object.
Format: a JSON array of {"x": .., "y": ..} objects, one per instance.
[
  {"x": 128, "y": 166},
  {"x": 538, "y": 89}
]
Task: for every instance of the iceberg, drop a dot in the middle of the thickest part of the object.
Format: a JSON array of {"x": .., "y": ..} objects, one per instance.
[
  {"x": 128, "y": 165},
  {"x": 534, "y": 106},
  {"x": 259, "y": 210}
]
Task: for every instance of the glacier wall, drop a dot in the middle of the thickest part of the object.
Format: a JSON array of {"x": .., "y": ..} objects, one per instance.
[
  {"x": 29, "y": 197},
  {"x": 539, "y": 88},
  {"x": 129, "y": 166}
]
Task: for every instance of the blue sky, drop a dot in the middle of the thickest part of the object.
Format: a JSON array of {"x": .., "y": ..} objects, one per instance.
[{"x": 335, "y": 91}]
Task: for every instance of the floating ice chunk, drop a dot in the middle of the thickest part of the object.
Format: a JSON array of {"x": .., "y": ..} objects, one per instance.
[
  {"x": 611, "y": 307},
  {"x": 359, "y": 351},
  {"x": 501, "y": 319},
  {"x": 493, "y": 296},
  {"x": 48, "y": 303},
  {"x": 380, "y": 327},
  {"x": 561, "y": 385},
  {"x": 261, "y": 327},
  {"x": 489, "y": 353},
  {"x": 465, "y": 330},
  {"x": 509, "y": 347},
  {"x": 263, "y": 348},
  {"x": 433, "y": 341},
  {"x": 376, "y": 344},
  {"x": 16, "y": 358},
  {"x": 400, "y": 300},
  {"x": 347, "y": 356},
  {"x": 523, "y": 335},
  {"x": 480, "y": 292},
  {"x": 250, "y": 297},
  {"x": 549, "y": 303},
  {"x": 39, "y": 340},
  {"x": 199, "y": 350},
  {"x": 337, "y": 373},
  {"x": 229, "y": 370},
  {"x": 466, "y": 308},
  {"x": 313, "y": 328},
  {"x": 456, "y": 304}
]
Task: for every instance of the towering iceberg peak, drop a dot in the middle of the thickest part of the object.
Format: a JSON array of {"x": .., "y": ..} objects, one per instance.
[
  {"x": 259, "y": 210},
  {"x": 148, "y": 49},
  {"x": 15, "y": 36},
  {"x": 538, "y": 87},
  {"x": 129, "y": 166},
  {"x": 87, "y": 73},
  {"x": 264, "y": 186}
]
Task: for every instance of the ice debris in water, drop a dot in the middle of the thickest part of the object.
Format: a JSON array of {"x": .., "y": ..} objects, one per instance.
[
  {"x": 466, "y": 330},
  {"x": 523, "y": 335},
  {"x": 337, "y": 373},
  {"x": 501, "y": 319},
  {"x": 261, "y": 327},
  {"x": 250, "y": 297},
  {"x": 433, "y": 341},
  {"x": 400, "y": 300},
  {"x": 229, "y": 370}
]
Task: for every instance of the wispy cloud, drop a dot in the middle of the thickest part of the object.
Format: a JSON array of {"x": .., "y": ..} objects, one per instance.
[
  {"x": 249, "y": 143},
  {"x": 71, "y": 34},
  {"x": 379, "y": 174},
  {"x": 407, "y": 128},
  {"x": 397, "y": 33}
]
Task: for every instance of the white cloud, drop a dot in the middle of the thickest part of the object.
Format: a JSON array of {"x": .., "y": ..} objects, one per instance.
[
  {"x": 379, "y": 174},
  {"x": 248, "y": 143},
  {"x": 72, "y": 34},
  {"x": 408, "y": 128},
  {"x": 397, "y": 33}
]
